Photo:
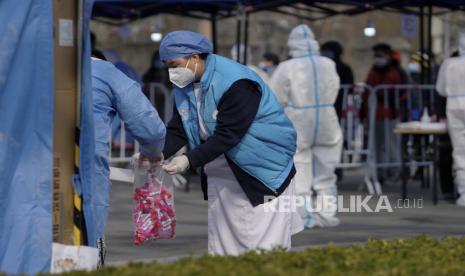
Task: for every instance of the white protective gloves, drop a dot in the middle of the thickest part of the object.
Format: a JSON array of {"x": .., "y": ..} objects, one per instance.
[{"x": 179, "y": 164}]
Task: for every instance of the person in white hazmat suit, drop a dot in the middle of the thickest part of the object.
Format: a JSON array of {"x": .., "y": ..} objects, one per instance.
[
  {"x": 451, "y": 84},
  {"x": 307, "y": 86}
]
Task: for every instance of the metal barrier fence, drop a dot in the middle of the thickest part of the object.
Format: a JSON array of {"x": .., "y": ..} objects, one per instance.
[
  {"x": 356, "y": 151},
  {"x": 122, "y": 151},
  {"x": 155, "y": 89},
  {"x": 389, "y": 105},
  {"x": 368, "y": 117}
]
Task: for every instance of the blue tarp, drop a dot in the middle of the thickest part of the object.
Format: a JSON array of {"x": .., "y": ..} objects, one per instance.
[{"x": 26, "y": 132}]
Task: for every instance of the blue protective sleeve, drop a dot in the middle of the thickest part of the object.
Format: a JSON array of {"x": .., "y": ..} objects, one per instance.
[{"x": 141, "y": 119}]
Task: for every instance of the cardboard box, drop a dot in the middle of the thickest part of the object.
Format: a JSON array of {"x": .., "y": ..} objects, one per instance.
[{"x": 65, "y": 53}]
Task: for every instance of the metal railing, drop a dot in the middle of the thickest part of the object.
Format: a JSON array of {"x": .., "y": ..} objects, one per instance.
[
  {"x": 356, "y": 152},
  {"x": 388, "y": 106},
  {"x": 369, "y": 142}
]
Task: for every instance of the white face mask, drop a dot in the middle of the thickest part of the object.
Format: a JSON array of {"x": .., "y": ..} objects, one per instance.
[
  {"x": 414, "y": 67},
  {"x": 380, "y": 62},
  {"x": 182, "y": 77}
]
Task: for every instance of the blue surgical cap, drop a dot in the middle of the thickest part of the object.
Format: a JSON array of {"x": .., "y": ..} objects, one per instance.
[{"x": 184, "y": 43}]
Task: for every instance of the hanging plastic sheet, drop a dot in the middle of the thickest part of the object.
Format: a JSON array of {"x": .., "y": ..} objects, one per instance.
[
  {"x": 26, "y": 131},
  {"x": 84, "y": 185}
]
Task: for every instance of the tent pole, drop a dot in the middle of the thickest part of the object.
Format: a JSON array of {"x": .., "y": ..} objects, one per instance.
[
  {"x": 430, "y": 44},
  {"x": 246, "y": 36},
  {"x": 422, "y": 46},
  {"x": 238, "y": 39},
  {"x": 446, "y": 31},
  {"x": 214, "y": 34}
]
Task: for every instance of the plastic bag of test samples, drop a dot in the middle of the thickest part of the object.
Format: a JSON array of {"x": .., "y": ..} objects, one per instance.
[{"x": 154, "y": 215}]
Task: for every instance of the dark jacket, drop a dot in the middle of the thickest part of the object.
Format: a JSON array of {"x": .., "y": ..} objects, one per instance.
[
  {"x": 346, "y": 76},
  {"x": 236, "y": 111}
]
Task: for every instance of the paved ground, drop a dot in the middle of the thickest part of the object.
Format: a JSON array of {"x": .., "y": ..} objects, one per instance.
[{"x": 437, "y": 221}]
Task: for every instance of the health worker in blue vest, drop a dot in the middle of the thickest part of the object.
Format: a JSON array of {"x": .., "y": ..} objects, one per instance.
[{"x": 239, "y": 139}]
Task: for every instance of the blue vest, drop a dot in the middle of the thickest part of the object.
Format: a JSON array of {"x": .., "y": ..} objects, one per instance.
[{"x": 266, "y": 151}]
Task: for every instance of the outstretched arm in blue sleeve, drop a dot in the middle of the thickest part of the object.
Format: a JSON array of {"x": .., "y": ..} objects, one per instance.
[{"x": 141, "y": 119}]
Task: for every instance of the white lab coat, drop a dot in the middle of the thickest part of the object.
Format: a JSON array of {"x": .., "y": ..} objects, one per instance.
[
  {"x": 307, "y": 86},
  {"x": 234, "y": 225}
]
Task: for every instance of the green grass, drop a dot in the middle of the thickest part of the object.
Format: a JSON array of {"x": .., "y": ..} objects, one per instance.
[{"x": 419, "y": 256}]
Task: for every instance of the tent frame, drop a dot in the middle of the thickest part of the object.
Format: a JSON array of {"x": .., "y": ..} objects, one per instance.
[{"x": 219, "y": 10}]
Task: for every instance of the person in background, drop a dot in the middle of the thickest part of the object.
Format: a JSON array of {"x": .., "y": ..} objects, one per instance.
[
  {"x": 414, "y": 70},
  {"x": 239, "y": 139},
  {"x": 414, "y": 67},
  {"x": 116, "y": 94},
  {"x": 307, "y": 86},
  {"x": 397, "y": 63},
  {"x": 451, "y": 84},
  {"x": 334, "y": 51},
  {"x": 249, "y": 63},
  {"x": 93, "y": 46},
  {"x": 157, "y": 73},
  {"x": 269, "y": 63},
  {"x": 385, "y": 71}
]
